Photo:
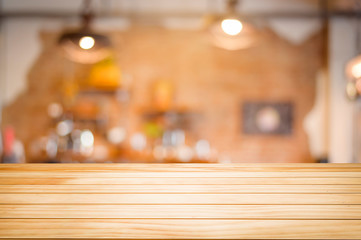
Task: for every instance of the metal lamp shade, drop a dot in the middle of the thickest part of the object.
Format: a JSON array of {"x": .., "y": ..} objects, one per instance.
[
  {"x": 245, "y": 39},
  {"x": 70, "y": 44}
]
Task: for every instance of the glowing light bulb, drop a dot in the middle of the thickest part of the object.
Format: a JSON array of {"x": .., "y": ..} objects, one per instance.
[
  {"x": 86, "y": 42},
  {"x": 87, "y": 139},
  {"x": 356, "y": 70},
  {"x": 232, "y": 26}
]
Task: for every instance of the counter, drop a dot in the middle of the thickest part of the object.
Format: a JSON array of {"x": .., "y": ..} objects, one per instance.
[{"x": 180, "y": 201}]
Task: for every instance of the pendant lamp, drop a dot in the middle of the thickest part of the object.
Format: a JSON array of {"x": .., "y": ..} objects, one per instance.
[
  {"x": 232, "y": 32},
  {"x": 85, "y": 45}
]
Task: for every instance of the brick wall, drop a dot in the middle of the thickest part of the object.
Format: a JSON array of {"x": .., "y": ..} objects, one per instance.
[{"x": 208, "y": 80}]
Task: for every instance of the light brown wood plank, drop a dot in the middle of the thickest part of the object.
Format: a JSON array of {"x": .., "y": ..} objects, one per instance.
[
  {"x": 179, "y": 165},
  {"x": 187, "y": 167},
  {"x": 180, "y": 229},
  {"x": 183, "y": 211},
  {"x": 180, "y": 189},
  {"x": 180, "y": 198},
  {"x": 135, "y": 201},
  {"x": 178, "y": 181},
  {"x": 219, "y": 174}
]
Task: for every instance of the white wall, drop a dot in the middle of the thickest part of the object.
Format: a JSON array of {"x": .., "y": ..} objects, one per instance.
[
  {"x": 342, "y": 48},
  {"x": 2, "y": 65},
  {"x": 22, "y": 46}
]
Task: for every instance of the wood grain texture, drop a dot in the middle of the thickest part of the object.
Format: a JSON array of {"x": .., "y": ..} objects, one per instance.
[
  {"x": 178, "y": 181},
  {"x": 164, "y": 167},
  {"x": 181, "y": 229},
  {"x": 155, "y": 174},
  {"x": 148, "y": 188},
  {"x": 184, "y": 198},
  {"x": 180, "y": 201},
  {"x": 342, "y": 212}
]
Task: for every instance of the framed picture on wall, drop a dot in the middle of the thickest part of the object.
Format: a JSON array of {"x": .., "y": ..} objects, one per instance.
[{"x": 267, "y": 118}]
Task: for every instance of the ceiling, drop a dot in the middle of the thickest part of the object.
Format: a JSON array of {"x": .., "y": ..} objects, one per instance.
[{"x": 13, "y": 8}]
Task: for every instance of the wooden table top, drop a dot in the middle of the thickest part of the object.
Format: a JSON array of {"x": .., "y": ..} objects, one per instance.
[{"x": 180, "y": 201}]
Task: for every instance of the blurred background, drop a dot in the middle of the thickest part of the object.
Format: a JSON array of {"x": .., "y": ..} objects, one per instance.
[{"x": 180, "y": 81}]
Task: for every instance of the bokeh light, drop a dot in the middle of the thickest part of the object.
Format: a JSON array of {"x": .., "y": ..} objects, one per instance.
[
  {"x": 232, "y": 26},
  {"x": 86, "y": 42}
]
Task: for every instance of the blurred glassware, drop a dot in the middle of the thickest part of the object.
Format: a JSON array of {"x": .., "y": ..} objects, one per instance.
[
  {"x": 52, "y": 146},
  {"x": 86, "y": 142},
  {"x": 13, "y": 149},
  {"x": 55, "y": 110},
  {"x": 64, "y": 127},
  {"x": 116, "y": 135},
  {"x": 138, "y": 141},
  {"x": 203, "y": 149}
]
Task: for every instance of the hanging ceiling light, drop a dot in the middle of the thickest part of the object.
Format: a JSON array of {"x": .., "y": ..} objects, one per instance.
[
  {"x": 84, "y": 45},
  {"x": 353, "y": 67},
  {"x": 230, "y": 32},
  {"x": 353, "y": 73}
]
